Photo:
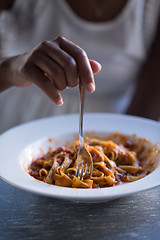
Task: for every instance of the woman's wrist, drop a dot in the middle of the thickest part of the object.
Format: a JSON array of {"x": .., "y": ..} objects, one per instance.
[{"x": 10, "y": 73}]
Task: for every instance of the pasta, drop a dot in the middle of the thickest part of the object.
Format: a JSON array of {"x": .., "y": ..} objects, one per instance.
[{"x": 117, "y": 159}]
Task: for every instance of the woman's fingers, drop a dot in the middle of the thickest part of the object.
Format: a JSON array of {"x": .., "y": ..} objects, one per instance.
[
  {"x": 84, "y": 69},
  {"x": 71, "y": 59},
  {"x": 48, "y": 87},
  {"x": 63, "y": 59},
  {"x": 57, "y": 64},
  {"x": 51, "y": 69}
]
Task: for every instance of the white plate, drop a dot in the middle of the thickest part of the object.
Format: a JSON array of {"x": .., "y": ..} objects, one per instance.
[{"x": 20, "y": 144}]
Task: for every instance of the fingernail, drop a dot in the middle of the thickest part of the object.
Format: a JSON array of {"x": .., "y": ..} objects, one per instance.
[
  {"x": 60, "y": 102},
  {"x": 91, "y": 87},
  {"x": 99, "y": 65}
]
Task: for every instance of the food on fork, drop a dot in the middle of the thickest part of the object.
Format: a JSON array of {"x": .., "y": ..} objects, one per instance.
[{"x": 117, "y": 159}]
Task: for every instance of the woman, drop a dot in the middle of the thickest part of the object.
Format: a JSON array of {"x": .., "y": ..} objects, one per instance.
[{"x": 122, "y": 35}]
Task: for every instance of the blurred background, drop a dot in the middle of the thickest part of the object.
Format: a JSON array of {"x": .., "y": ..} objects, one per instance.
[{"x": 118, "y": 34}]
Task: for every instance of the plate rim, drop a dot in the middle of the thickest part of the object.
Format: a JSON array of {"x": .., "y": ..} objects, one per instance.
[{"x": 78, "y": 197}]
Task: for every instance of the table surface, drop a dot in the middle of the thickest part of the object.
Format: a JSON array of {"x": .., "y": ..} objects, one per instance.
[{"x": 25, "y": 215}]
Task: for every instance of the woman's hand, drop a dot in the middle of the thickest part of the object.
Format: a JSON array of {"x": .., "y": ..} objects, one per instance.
[{"x": 52, "y": 66}]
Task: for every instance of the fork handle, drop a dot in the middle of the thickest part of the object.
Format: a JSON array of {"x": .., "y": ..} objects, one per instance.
[{"x": 81, "y": 96}]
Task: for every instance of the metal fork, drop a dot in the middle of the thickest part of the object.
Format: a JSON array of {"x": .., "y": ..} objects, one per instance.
[{"x": 84, "y": 162}]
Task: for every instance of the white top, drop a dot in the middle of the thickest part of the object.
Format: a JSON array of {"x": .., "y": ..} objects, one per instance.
[{"x": 120, "y": 46}]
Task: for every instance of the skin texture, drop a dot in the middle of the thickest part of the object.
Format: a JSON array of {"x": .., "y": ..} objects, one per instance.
[
  {"x": 86, "y": 9},
  {"x": 52, "y": 66},
  {"x": 57, "y": 64}
]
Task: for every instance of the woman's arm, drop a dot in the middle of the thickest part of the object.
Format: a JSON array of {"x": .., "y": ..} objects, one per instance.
[
  {"x": 146, "y": 100},
  {"x": 52, "y": 66}
]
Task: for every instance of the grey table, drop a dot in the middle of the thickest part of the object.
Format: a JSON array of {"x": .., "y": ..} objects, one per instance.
[{"x": 24, "y": 215}]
